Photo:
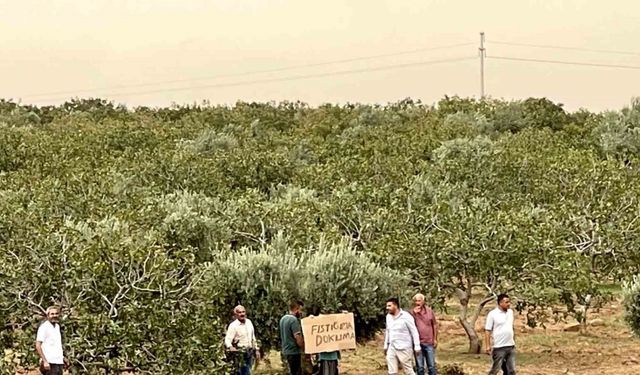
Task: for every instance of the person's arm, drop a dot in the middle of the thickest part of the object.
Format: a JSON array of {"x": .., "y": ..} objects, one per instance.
[
  {"x": 386, "y": 335},
  {"x": 40, "y": 337},
  {"x": 297, "y": 334},
  {"x": 414, "y": 333},
  {"x": 299, "y": 339},
  {"x": 487, "y": 341},
  {"x": 45, "y": 364},
  {"x": 488, "y": 328},
  {"x": 513, "y": 326},
  {"x": 228, "y": 338}
]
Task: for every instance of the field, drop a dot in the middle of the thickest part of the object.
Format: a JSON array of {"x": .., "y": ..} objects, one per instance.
[
  {"x": 606, "y": 349},
  {"x": 148, "y": 225}
]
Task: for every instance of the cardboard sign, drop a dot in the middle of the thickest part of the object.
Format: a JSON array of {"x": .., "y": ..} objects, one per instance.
[{"x": 327, "y": 333}]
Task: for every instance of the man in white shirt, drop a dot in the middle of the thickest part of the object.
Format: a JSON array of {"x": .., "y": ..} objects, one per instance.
[
  {"x": 49, "y": 344},
  {"x": 401, "y": 340},
  {"x": 499, "y": 328},
  {"x": 241, "y": 340}
]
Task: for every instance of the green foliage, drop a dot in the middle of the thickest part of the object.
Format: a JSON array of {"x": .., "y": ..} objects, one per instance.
[
  {"x": 543, "y": 113},
  {"x": 197, "y": 221},
  {"x": 509, "y": 117},
  {"x": 327, "y": 277},
  {"x": 631, "y": 293},
  {"x": 618, "y": 133},
  {"x": 103, "y": 208},
  {"x": 210, "y": 141}
]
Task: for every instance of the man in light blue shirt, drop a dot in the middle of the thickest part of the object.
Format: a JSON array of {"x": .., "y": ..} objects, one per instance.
[{"x": 401, "y": 338}]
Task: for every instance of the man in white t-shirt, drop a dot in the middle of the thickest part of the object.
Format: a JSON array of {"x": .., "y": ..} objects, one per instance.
[
  {"x": 241, "y": 339},
  {"x": 499, "y": 329},
  {"x": 49, "y": 344}
]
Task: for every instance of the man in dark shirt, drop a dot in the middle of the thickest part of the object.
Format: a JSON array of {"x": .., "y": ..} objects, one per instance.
[
  {"x": 291, "y": 338},
  {"x": 427, "y": 325}
]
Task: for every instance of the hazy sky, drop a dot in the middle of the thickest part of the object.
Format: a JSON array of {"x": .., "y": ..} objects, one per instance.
[{"x": 51, "y": 46}]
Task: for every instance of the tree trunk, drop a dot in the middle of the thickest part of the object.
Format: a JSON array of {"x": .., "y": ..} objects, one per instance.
[
  {"x": 475, "y": 344},
  {"x": 469, "y": 322}
]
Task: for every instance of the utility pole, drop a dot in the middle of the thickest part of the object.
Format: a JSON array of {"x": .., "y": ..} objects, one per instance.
[{"x": 482, "y": 56}]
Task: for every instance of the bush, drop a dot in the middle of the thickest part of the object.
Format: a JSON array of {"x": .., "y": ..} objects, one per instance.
[
  {"x": 327, "y": 277},
  {"x": 509, "y": 117},
  {"x": 127, "y": 303},
  {"x": 196, "y": 220},
  {"x": 100, "y": 205},
  {"x": 451, "y": 369},
  {"x": 618, "y": 133},
  {"x": 543, "y": 113},
  {"x": 209, "y": 141},
  {"x": 631, "y": 293}
]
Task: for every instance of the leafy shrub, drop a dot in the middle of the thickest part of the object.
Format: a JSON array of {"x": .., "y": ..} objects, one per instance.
[
  {"x": 451, "y": 369},
  {"x": 209, "y": 141},
  {"x": 543, "y": 113},
  {"x": 328, "y": 277},
  {"x": 509, "y": 117},
  {"x": 631, "y": 293},
  {"x": 127, "y": 303},
  {"x": 618, "y": 133},
  {"x": 195, "y": 220}
]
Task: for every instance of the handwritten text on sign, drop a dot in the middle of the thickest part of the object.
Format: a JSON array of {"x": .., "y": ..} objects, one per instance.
[{"x": 327, "y": 333}]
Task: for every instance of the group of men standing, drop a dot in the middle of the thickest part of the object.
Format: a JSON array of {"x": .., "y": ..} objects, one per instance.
[
  {"x": 409, "y": 336},
  {"x": 241, "y": 341},
  {"x": 413, "y": 336}
]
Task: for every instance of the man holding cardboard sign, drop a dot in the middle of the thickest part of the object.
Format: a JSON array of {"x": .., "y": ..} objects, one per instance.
[{"x": 291, "y": 338}]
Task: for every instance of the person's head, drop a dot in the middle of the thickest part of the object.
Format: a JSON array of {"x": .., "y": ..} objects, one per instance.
[
  {"x": 393, "y": 305},
  {"x": 240, "y": 313},
  {"x": 418, "y": 300},
  {"x": 53, "y": 314},
  {"x": 295, "y": 308},
  {"x": 504, "y": 302}
]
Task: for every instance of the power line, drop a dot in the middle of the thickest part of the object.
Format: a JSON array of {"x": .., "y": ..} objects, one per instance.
[
  {"x": 282, "y": 79},
  {"x": 483, "y": 55},
  {"x": 264, "y": 71},
  {"x": 634, "y": 67},
  {"x": 618, "y": 52}
]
